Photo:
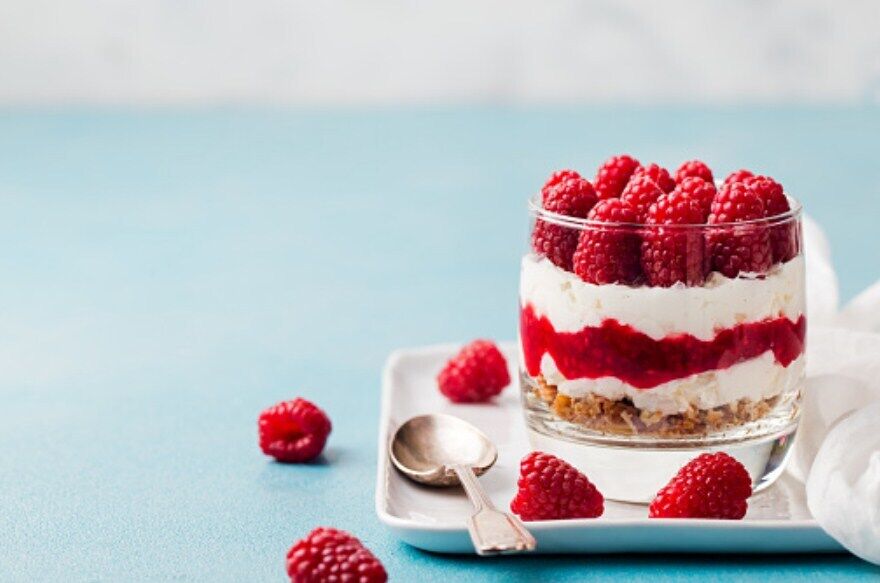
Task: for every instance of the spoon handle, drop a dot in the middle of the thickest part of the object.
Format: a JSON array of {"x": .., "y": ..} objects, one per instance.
[{"x": 493, "y": 532}]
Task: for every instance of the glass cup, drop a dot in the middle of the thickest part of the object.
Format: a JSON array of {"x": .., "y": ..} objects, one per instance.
[{"x": 643, "y": 346}]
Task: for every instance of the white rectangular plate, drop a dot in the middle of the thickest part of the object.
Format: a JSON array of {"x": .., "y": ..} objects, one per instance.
[{"x": 434, "y": 519}]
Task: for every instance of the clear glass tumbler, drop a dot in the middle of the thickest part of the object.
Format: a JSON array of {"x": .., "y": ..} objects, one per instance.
[{"x": 643, "y": 346}]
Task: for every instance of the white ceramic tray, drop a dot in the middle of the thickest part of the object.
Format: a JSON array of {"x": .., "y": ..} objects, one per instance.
[{"x": 434, "y": 519}]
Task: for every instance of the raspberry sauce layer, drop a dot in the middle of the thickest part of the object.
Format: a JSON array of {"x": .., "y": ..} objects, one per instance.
[{"x": 618, "y": 350}]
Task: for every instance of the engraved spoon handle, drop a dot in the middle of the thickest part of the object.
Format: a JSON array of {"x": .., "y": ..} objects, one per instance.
[{"x": 493, "y": 532}]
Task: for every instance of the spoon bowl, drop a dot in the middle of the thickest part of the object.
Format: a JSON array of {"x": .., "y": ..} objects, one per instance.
[{"x": 426, "y": 448}]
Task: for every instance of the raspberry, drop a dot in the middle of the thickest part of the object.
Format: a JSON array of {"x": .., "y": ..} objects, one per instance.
[
  {"x": 640, "y": 193},
  {"x": 694, "y": 168},
  {"x": 736, "y": 203},
  {"x": 477, "y": 373},
  {"x": 613, "y": 175},
  {"x": 565, "y": 193},
  {"x": 713, "y": 485},
  {"x": 674, "y": 254},
  {"x": 559, "y": 176},
  {"x": 783, "y": 237},
  {"x": 698, "y": 189},
  {"x": 738, "y": 176},
  {"x": 555, "y": 242},
  {"x": 328, "y": 554},
  {"x": 771, "y": 194},
  {"x": 573, "y": 197},
  {"x": 293, "y": 431},
  {"x": 658, "y": 174},
  {"x": 552, "y": 489},
  {"x": 736, "y": 249},
  {"x": 609, "y": 255}
]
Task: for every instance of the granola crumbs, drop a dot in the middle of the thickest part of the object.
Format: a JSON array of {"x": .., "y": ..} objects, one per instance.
[{"x": 623, "y": 418}]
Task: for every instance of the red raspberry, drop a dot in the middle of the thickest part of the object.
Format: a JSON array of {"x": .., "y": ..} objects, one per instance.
[
  {"x": 477, "y": 373},
  {"x": 674, "y": 254},
  {"x": 735, "y": 249},
  {"x": 609, "y": 255},
  {"x": 559, "y": 176},
  {"x": 771, "y": 194},
  {"x": 552, "y": 489},
  {"x": 640, "y": 193},
  {"x": 738, "y": 176},
  {"x": 328, "y": 554},
  {"x": 699, "y": 190},
  {"x": 783, "y": 238},
  {"x": 694, "y": 168},
  {"x": 613, "y": 175},
  {"x": 736, "y": 203},
  {"x": 555, "y": 242},
  {"x": 658, "y": 174},
  {"x": 713, "y": 485},
  {"x": 565, "y": 193},
  {"x": 573, "y": 197},
  {"x": 293, "y": 431}
]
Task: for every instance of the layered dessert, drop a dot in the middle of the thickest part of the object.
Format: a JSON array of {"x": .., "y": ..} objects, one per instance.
[{"x": 658, "y": 304}]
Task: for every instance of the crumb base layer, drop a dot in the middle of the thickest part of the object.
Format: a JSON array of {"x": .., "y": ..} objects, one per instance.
[
  {"x": 623, "y": 418},
  {"x": 619, "y": 423}
]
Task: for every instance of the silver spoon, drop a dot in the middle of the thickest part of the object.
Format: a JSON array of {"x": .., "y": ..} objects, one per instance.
[{"x": 442, "y": 450}]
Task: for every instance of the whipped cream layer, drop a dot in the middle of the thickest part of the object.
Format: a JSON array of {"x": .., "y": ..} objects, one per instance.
[
  {"x": 572, "y": 304},
  {"x": 756, "y": 379}
]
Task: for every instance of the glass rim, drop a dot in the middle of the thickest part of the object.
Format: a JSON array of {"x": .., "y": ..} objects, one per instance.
[{"x": 538, "y": 211}]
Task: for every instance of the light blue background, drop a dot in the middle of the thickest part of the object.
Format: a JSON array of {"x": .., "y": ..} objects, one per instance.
[{"x": 166, "y": 275}]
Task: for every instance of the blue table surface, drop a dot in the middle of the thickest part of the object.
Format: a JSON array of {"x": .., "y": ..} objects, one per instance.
[{"x": 170, "y": 273}]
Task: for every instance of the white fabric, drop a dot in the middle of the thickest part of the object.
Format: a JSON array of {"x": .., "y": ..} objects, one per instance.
[
  {"x": 837, "y": 449},
  {"x": 843, "y": 490}
]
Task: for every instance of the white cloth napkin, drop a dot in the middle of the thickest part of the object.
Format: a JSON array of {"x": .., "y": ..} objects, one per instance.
[{"x": 837, "y": 449}]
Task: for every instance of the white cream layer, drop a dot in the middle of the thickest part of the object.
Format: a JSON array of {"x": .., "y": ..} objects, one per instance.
[
  {"x": 572, "y": 304},
  {"x": 755, "y": 379}
]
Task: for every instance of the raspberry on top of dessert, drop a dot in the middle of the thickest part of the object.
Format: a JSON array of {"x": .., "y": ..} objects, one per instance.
[{"x": 671, "y": 296}]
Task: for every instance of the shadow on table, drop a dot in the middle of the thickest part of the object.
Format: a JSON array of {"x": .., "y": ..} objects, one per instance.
[
  {"x": 659, "y": 567},
  {"x": 295, "y": 477}
]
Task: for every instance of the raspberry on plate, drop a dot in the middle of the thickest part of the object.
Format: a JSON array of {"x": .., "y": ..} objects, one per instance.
[
  {"x": 640, "y": 193},
  {"x": 671, "y": 254},
  {"x": 327, "y": 555},
  {"x": 783, "y": 238},
  {"x": 476, "y": 374},
  {"x": 712, "y": 485},
  {"x": 735, "y": 249},
  {"x": 696, "y": 168},
  {"x": 293, "y": 431},
  {"x": 738, "y": 176},
  {"x": 658, "y": 174},
  {"x": 609, "y": 255},
  {"x": 613, "y": 175},
  {"x": 565, "y": 193},
  {"x": 698, "y": 189},
  {"x": 552, "y": 489}
]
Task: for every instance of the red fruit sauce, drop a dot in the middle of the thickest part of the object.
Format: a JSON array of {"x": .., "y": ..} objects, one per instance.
[{"x": 618, "y": 350}]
